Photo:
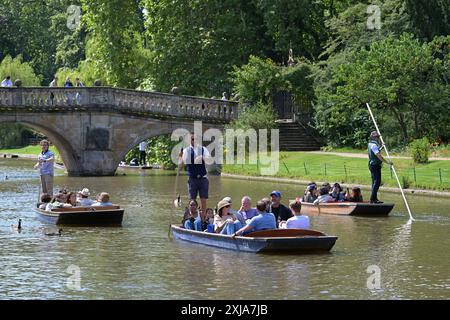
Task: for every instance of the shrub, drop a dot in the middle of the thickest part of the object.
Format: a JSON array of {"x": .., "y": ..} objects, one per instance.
[
  {"x": 420, "y": 150},
  {"x": 406, "y": 182}
]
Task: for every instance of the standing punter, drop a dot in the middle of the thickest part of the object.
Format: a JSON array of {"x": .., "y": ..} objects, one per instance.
[
  {"x": 45, "y": 166},
  {"x": 194, "y": 158},
  {"x": 375, "y": 161}
]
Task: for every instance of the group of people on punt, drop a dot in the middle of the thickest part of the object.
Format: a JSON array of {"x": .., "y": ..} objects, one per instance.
[
  {"x": 328, "y": 194},
  {"x": 66, "y": 199},
  {"x": 269, "y": 213}
]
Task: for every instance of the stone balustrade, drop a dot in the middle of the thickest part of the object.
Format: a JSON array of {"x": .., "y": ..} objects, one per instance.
[{"x": 151, "y": 104}]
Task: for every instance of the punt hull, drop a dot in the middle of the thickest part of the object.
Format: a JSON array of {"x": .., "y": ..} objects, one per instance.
[
  {"x": 348, "y": 209},
  {"x": 84, "y": 218},
  {"x": 304, "y": 244}
]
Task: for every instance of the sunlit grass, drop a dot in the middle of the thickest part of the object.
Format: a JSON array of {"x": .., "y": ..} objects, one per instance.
[{"x": 434, "y": 175}]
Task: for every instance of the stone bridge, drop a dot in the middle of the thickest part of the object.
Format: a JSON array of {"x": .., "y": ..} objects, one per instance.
[{"x": 95, "y": 127}]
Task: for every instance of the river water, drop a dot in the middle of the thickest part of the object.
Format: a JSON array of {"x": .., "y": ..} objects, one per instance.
[{"x": 139, "y": 261}]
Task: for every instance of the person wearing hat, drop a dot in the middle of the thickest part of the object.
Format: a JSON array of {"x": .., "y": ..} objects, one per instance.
[
  {"x": 224, "y": 221},
  {"x": 238, "y": 214},
  {"x": 281, "y": 212},
  {"x": 83, "y": 200},
  {"x": 375, "y": 162}
]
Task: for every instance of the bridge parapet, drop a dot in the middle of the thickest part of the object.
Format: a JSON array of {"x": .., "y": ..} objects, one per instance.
[{"x": 151, "y": 104}]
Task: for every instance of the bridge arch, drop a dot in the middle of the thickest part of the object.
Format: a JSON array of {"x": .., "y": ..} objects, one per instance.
[
  {"x": 95, "y": 131},
  {"x": 64, "y": 147}
]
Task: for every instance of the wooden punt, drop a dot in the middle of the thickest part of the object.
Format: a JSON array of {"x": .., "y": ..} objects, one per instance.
[
  {"x": 265, "y": 241},
  {"x": 86, "y": 216},
  {"x": 127, "y": 166},
  {"x": 348, "y": 209}
]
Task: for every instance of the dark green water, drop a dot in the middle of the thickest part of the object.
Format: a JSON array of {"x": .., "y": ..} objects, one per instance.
[{"x": 139, "y": 261}]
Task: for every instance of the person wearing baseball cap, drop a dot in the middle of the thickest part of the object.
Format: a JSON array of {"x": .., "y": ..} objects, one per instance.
[
  {"x": 281, "y": 212},
  {"x": 375, "y": 162}
]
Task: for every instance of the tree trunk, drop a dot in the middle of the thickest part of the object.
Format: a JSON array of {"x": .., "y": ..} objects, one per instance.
[{"x": 401, "y": 122}]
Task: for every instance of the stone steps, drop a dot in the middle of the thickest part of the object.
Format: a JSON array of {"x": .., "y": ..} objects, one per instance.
[{"x": 293, "y": 137}]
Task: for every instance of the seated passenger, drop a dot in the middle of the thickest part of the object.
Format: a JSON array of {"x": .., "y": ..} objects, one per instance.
[
  {"x": 356, "y": 195},
  {"x": 71, "y": 200},
  {"x": 83, "y": 199},
  {"x": 310, "y": 193},
  {"x": 237, "y": 214},
  {"x": 324, "y": 196},
  {"x": 336, "y": 193},
  {"x": 246, "y": 208},
  {"x": 57, "y": 202},
  {"x": 103, "y": 200},
  {"x": 327, "y": 186},
  {"x": 208, "y": 224},
  {"x": 224, "y": 222},
  {"x": 45, "y": 199},
  {"x": 297, "y": 221},
  {"x": 192, "y": 219},
  {"x": 263, "y": 221}
]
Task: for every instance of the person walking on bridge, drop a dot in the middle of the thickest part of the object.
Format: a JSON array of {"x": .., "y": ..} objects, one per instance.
[
  {"x": 45, "y": 166},
  {"x": 7, "y": 82},
  {"x": 375, "y": 162}
]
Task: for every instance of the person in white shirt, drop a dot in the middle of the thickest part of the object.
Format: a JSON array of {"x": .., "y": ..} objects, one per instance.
[
  {"x": 297, "y": 221},
  {"x": 7, "y": 82},
  {"x": 142, "y": 154},
  {"x": 324, "y": 196}
]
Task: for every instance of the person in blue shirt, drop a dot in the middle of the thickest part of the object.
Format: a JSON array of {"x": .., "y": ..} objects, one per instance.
[
  {"x": 7, "y": 82},
  {"x": 375, "y": 162},
  {"x": 45, "y": 166},
  {"x": 103, "y": 200},
  {"x": 263, "y": 221}
]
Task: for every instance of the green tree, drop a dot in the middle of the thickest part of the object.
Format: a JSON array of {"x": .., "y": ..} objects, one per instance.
[
  {"x": 429, "y": 18},
  {"x": 196, "y": 43},
  {"x": 115, "y": 46},
  {"x": 34, "y": 29},
  {"x": 18, "y": 69},
  {"x": 260, "y": 79},
  {"x": 298, "y": 24},
  {"x": 404, "y": 84}
]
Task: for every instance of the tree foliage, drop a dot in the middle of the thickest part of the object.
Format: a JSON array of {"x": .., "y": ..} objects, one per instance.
[
  {"x": 115, "y": 44},
  {"x": 34, "y": 29},
  {"x": 402, "y": 81},
  {"x": 260, "y": 79},
  {"x": 18, "y": 69}
]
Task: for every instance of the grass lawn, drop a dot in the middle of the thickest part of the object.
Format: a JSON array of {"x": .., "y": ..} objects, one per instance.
[
  {"x": 434, "y": 175},
  {"x": 31, "y": 150},
  {"x": 442, "y": 151}
]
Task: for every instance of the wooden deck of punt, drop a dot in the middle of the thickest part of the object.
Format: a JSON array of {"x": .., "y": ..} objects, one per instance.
[
  {"x": 348, "y": 209},
  {"x": 270, "y": 241},
  {"x": 86, "y": 216}
]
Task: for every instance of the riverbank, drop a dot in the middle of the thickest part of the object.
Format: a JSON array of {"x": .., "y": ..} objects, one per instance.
[
  {"x": 28, "y": 152},
  {"x": 312, "y": 166},
  {"x": 323, "y": 166},
  {"x": 363, "y": 187}
]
